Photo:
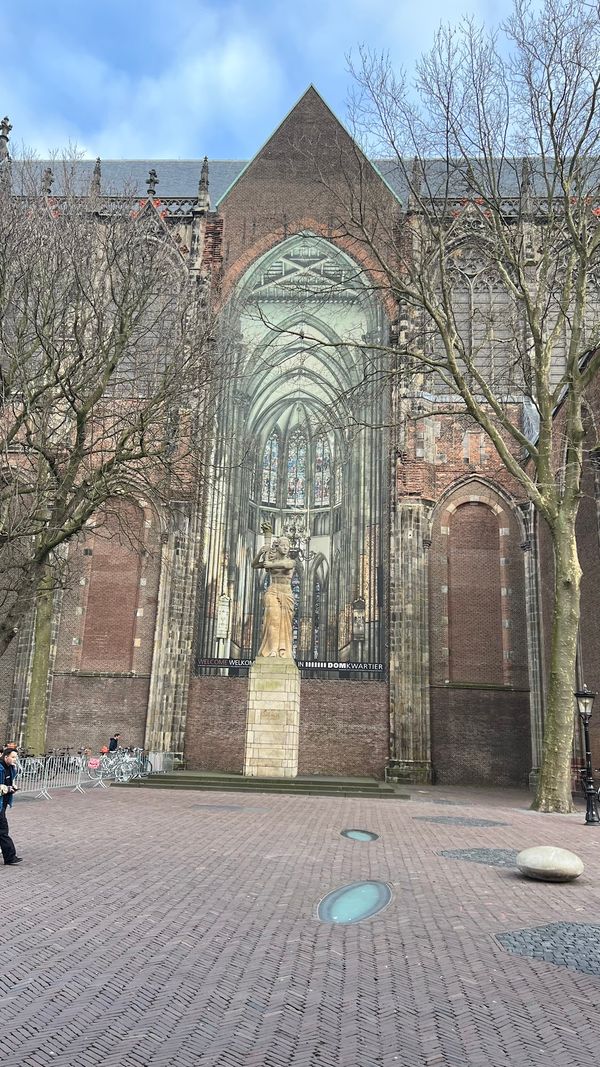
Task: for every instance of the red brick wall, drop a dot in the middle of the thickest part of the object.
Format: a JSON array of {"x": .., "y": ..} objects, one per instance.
[
  {"x": 480, "y": 737},
  {"x": 7, "y": 667},
  {"x": 457, "y": 613},
  {"x": 303, "y": 178},
  {"x": 344, "y": 726},
  {"x": 132, "y": 561},
  {"x": 112, "y": 601},
  {"x": 87, "y": 710},
  {"x": 216, "y": 722},
  {"x": 474, "y": 600}
]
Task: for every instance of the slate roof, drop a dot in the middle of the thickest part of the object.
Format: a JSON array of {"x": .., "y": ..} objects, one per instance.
[
  {"x": 176, "y": 177},
  {"x": 179, "y": 177}
]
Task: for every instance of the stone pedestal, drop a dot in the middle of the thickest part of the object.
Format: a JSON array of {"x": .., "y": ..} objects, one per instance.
[{"x": 272, "y": 719}]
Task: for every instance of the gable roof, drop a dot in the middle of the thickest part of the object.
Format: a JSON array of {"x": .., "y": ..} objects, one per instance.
[{"x": 302, "y": 115}]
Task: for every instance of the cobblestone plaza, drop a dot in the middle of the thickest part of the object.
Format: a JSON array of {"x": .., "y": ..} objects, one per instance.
[{"x": 180, "y": 928}]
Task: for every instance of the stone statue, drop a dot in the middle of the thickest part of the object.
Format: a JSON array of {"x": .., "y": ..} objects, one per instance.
[{"x": 278, "y": 599}]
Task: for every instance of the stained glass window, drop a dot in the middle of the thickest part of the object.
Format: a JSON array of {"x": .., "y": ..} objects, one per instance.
[
  {"x": 296, "y": 470},
  {"x": 269, "y": 470},
  {"x": 322, "y": 473}
]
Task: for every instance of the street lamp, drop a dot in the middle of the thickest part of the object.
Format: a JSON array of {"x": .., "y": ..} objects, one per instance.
[{"x": 585, "y": 700}]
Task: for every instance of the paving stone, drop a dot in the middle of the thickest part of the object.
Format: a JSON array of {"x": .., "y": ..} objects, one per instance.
[
  {"x": 566, "y": 944},
  {"x": 149, "y": 930},
  {"x": 221, "y": 807},
  {"x": 458, "y": 820},
  {"x": 492, "y": 857}
]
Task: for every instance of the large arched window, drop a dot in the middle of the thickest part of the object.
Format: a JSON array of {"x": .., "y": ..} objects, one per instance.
[
  {"x": 270, "y": 467},
  {"x": 296, "y": 470},
  {"x": 322, "y": 482}
]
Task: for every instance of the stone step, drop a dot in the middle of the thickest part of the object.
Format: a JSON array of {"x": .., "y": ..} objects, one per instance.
[
  {"x": 312, "y": 786},
  {"x": 256, "y": 782}
]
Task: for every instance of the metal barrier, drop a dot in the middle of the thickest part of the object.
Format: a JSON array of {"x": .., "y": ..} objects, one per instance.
[{"x": 39, "y": 775}]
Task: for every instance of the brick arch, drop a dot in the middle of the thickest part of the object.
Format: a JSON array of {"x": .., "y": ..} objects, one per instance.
[
  {"x": 352, "y": 248},
  {"x": 113, "y": 582},
  {"x": 480, "y": 729},
  {"x": 475, "y": 610}
]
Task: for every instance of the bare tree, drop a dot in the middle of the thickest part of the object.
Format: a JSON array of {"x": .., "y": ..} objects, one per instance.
[
  {"x": 108, "y": 373},
  {"x": 495, "y": 266}
]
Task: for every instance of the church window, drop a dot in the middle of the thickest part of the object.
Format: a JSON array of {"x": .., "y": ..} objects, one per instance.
[
  {"x": 322, "y": 473},
  {"x": 296, "y": 470},
  {"x": 269, "y": 470}
]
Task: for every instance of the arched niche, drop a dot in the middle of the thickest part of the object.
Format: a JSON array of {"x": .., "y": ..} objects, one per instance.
[{"x": 300, "y": 441}]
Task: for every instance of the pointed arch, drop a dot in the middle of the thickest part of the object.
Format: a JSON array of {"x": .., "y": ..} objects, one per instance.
[
  {"x": 270, "y": 469},
  {"x": 322, "y": 472},
  {"x": 296, "y": 470}
]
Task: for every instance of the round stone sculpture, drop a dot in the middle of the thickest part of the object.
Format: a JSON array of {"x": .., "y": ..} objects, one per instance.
[{"x": 549, "y": 864}]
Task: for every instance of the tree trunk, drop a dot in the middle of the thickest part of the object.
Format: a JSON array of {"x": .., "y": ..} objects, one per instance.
[
  {"x": 37, "y": 710},
  {"x": 554, "y": 787}
]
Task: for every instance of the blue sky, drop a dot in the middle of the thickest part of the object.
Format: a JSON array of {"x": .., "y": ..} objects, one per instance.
[{"x": 185, "y": 78}]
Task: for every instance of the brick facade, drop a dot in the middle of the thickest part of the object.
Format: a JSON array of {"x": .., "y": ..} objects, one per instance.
[
  {"x": 343, "y": 726},
  {"x": 86, "y": 710},
  {"x": 461, "y": 584},
  {"x": 480, "y": 736}
]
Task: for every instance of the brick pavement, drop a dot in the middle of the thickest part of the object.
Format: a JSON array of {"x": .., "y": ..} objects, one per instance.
[{"x": 179, "y": 928}]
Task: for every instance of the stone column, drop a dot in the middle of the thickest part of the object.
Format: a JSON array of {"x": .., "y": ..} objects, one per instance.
[
  {"x": 173, "y": 638},
  {"x": 534, "y": 641},
  {"x": 273, "y": 718},
  {"x": 410, "y": 743}
]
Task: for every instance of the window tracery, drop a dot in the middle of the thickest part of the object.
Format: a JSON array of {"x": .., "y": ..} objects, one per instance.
[
  {"x": 296, "y": 470},
  {"x": 270, "y": 468},
  {"x": 322, "y": 480}
]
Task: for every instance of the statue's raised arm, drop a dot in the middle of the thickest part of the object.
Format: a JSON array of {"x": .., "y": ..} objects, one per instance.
[{"x": 259, "y": 559}]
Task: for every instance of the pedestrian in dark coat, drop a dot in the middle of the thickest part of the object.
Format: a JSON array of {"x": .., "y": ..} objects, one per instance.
[
  {"x": 113, "y": 743},
  {"x": 8, "y": 774}
]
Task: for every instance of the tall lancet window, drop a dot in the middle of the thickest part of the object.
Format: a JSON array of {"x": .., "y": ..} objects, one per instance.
[
  {"x": 338, "y": 483},
  {"x": 269, "y": 470},
  {"x": 296, "y": 470},
  {"x": 322, "y": 473}
]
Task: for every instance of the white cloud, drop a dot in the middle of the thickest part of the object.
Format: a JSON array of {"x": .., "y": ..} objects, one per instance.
[{"x": 192, "y": 77}]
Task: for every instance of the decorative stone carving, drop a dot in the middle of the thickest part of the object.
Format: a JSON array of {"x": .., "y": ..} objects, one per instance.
[{"x": 549, "y": 864}]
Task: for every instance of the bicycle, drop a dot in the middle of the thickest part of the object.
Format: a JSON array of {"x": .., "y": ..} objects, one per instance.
[{"x": 133, "y": 764}]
